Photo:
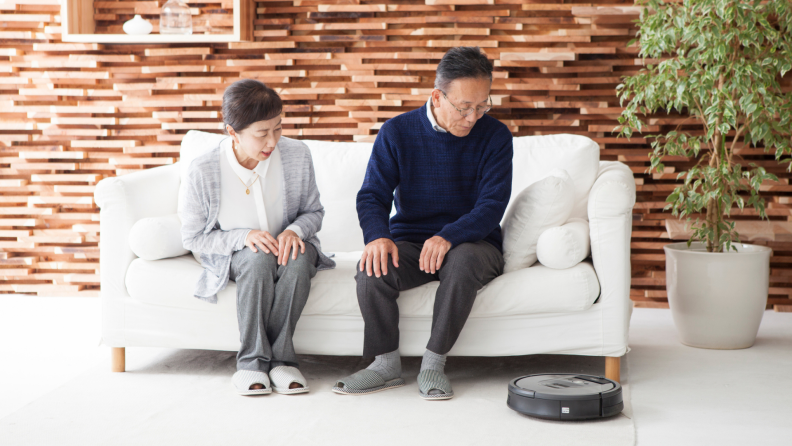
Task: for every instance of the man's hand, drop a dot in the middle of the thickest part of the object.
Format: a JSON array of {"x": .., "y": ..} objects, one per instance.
[
  {"x": 375, "y": 256},
  {"x": 263, "y": 240},
  {"x": 288, "y": 240},
  {"x": 433, "y": 253}
]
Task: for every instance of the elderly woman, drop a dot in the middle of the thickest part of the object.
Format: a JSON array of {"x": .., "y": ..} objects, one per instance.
[{"x": 250, "y": 213}]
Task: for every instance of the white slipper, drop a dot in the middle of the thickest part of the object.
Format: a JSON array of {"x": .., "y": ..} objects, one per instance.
[
  {"x": 243, "y": 379},
  {"x": 283, "y": 376}
]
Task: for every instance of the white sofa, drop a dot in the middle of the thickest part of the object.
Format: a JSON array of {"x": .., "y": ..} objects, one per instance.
[{"x": 583, "y": 310}]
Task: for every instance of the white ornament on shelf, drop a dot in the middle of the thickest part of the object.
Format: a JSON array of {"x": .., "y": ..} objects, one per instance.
[{"x": 138, "y": 25}]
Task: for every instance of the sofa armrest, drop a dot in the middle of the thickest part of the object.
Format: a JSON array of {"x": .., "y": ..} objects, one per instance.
[
  {"x": 123, "y": 201},
  {"x": 610, "y": 205}
]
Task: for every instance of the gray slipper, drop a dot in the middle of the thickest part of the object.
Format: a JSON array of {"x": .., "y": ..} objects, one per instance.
[
  {"x": 429, "y": 380},
  {"x": 364, "y": 382}
]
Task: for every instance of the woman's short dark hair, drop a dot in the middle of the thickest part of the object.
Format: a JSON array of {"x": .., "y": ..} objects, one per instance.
[
  {"x": 247, "y": 101},
  {"x": 464, "y": 62}
]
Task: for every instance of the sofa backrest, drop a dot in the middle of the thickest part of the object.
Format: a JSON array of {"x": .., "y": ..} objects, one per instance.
[
  {"x": 194, "y": 144},
  {"x": 341, "y": 166}
]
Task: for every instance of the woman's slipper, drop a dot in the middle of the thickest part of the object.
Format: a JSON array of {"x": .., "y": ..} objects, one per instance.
[
  {"x": 244, "y": 379},
  {"x": 364, "y": 382},
  {"x": 283, "y": 376},
  {"x": 429, "y": 380}
]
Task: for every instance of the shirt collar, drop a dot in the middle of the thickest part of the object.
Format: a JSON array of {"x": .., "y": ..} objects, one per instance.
[
  {"x": 431, "y": 117},
  {"x": 245, "y": 173}
]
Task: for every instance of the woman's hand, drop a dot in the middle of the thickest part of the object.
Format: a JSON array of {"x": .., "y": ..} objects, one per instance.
[
  {"x": 263, "y": 240},
  {"x": 289, "y": 241}
]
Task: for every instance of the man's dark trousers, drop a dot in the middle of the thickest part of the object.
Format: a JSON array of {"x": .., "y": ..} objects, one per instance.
[{"x": 465, "y": 270}]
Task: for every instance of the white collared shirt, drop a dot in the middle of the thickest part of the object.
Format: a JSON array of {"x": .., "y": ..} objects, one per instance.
[
  {"x": 262, "y": 208},
  {"x": 431, "y": 117}
]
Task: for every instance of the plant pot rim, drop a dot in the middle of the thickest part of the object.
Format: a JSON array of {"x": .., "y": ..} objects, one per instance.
[{"x": 696, "y": 249}]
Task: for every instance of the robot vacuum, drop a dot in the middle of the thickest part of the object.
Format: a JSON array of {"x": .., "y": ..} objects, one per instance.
[{"x": 565, "y": 397}]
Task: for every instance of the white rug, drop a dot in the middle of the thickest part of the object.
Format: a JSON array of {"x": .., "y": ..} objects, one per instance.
[{"x": 185, "y": 397}]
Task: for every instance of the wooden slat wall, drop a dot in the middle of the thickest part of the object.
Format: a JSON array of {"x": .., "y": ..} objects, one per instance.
[{"x": 72, "y": 114}]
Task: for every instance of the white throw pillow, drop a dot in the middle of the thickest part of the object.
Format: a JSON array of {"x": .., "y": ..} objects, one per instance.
[
  {"x": 157, "y": 238},
  {"x": 542, "y": 205},
  {"x": 564, "y": 246},
  {"x": 536, "y": 155}
]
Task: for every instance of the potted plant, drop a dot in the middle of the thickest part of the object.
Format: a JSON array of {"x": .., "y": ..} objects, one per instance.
[{"x": 721, "y": 62}]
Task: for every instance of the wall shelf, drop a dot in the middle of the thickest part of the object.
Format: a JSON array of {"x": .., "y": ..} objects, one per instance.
[{"x": 79, "y": 26}]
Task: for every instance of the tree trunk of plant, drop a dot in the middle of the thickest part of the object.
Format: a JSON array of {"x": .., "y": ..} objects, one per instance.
[
  {"x": 713, "y": 210},
  {"x": 712, "y": 223}
]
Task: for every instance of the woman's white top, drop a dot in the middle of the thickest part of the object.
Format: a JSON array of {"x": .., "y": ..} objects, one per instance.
[{"x": 262, "y": 208}]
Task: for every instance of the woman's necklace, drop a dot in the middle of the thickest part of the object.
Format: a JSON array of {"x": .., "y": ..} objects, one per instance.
[{"x": 247, "y": 186}]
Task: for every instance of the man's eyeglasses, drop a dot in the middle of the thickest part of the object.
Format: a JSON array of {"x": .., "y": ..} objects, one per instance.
[{"x": 481, "y": 110}]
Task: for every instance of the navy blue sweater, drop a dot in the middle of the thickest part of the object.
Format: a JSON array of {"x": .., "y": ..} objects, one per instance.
[{"x": 457, "y": 188}]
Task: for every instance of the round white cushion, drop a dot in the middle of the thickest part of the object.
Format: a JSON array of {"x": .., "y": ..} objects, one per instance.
[
  {"x": 157, "y": 238},
  {"x": 564, "y": 246},
  {"x": 540, "y": 206}
]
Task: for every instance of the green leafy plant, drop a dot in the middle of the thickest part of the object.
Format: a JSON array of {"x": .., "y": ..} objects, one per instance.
[{"x": 721, "y": 68}]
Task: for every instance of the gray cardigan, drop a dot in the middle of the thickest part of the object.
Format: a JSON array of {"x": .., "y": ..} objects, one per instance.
[{"x": 199, "y": 207}]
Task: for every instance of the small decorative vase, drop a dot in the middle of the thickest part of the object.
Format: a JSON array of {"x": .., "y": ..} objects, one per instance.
[
  {"x": 175, "y": 18},
  {"x": 138, "y": 25}
]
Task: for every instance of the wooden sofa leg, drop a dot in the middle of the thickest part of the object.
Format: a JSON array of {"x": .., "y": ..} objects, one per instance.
[
  {"x": 118, "y": 361},
  {"x": 612, "y": 368}
]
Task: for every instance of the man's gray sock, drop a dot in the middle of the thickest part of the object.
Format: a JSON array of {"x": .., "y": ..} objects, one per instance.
[
  {"x": 388, "y": 365},
  {"x": 433, "y": 361}
]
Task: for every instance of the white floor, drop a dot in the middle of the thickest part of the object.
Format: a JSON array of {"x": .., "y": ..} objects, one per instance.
[
  {"x": 680, "y": 395},
  {"x": 688, "y": 396}
]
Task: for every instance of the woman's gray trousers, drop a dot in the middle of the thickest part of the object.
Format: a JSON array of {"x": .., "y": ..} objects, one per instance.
[{"x": 270, "y": 299}]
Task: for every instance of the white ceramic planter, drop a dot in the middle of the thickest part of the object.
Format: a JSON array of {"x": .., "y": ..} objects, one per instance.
[{"x": 717, "y": 299}]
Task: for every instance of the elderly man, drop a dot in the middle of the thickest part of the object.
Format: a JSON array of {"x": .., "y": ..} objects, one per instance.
[{"x": 450, "y": 165}]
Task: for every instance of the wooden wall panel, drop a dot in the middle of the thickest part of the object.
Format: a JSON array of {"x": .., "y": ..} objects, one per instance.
[{"x": 72, "y": 114}]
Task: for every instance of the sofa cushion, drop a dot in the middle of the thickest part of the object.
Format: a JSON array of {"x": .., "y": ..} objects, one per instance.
[
  {"x": 194, "y": 144},
  {"x": 169, "y": 282},
  {"x": 542, "y": 205},
  {"x": 564, "y": 246},
  {"x": 157, "y": 238},
  {"x": 340, "y": 168},
  {"x": 535, "y": 156}
]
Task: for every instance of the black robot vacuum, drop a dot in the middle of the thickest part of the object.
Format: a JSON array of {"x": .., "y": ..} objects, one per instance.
[{"x": 565, "y": 397}]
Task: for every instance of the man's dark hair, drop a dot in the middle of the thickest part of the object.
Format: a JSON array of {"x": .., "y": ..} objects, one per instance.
[
  {"x": 463, "y": 62},
  {"x": 247, "y": 101}
]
